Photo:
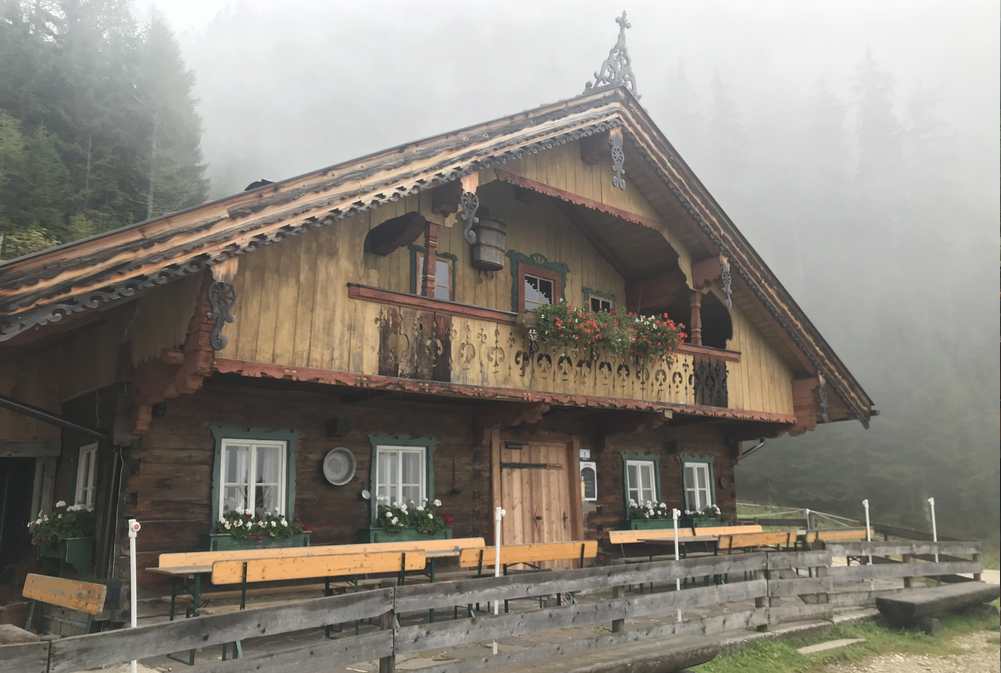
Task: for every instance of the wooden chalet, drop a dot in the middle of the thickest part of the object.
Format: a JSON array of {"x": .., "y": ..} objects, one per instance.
[{"x": 169, "y": 369}]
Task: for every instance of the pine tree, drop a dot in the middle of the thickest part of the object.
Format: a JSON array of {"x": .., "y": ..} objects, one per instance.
[{"x": 175, "y": 173}]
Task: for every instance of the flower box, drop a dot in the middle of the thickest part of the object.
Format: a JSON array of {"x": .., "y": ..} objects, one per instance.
[
  {"x": 226, "y": 542},
  {"x": 75, "y": 552},
  {"x": 698, "y": 521},
  {"x": 401, "y": 535},
  {"x": 650, "y": 524}
]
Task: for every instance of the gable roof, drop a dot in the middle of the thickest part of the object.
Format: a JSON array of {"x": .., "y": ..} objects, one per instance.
[{"x": 45, "y": 287}]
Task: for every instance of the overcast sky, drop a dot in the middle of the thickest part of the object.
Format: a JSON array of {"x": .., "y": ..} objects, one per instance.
[{"x": 361, "y": 68}]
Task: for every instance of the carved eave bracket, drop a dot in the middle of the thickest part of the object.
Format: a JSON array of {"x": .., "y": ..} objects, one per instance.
[
  {"x": 221, "y": 298},
  {"x": 712, "y": 269},
  {"x": 618, "y": 158}
]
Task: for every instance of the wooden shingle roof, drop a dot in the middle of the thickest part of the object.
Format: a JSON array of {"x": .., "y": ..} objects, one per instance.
[{"x": 46, "y": 287}]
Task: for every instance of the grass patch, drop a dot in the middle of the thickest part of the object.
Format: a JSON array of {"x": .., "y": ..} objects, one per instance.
[
  {"x": 990, "y": 557},
  {"x": 780, "y": 656}
]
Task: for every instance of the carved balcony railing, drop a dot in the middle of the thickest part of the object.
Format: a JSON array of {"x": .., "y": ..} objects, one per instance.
[{"x": 491, "y": 351}]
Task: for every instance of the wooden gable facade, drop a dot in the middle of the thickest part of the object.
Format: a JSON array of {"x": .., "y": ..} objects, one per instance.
[{"x": 293, "y": 319}]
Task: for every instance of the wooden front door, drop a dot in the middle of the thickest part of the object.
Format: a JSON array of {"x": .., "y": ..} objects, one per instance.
[{"x": 535, "y": 492}]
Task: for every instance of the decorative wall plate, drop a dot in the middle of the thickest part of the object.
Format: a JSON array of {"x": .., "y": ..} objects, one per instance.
[{"x": 339, "y": 466}]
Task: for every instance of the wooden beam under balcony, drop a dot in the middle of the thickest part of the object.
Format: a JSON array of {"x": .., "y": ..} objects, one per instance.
[{"x": 467, "y": 391}]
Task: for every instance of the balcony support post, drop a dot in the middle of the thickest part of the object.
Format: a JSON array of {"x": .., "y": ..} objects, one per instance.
[
  {"x": 695, "y": 324},
  {"x": 430, "y": 258}
]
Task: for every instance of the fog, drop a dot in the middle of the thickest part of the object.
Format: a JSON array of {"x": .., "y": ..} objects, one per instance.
[{"x": 854, "y": 143}]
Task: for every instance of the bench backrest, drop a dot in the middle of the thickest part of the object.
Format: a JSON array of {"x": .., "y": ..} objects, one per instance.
[
  {"x": 728, "y": 530},
  {"x": 781, "y": 539},
  {"x": 837, "y": 535},
  {"x": 207, "y": 558},
  {"x": 635, "y": 536},
  {"x": 574, "y": 550},
  {"x": 86, "y": 597},
  {"x": 315, "y": 567}
]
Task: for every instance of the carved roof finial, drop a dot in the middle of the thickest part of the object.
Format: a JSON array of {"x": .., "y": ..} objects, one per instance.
[{"x": 617, "y": 69}]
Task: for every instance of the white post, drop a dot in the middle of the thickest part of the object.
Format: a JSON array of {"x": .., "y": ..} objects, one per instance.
[
  {"x": 868, "y": 527},
  {"x": 934, "y": 526},
  {"x": 134, "y": 528},
  {"x": 806, "y": 515},
  {"x": 498, "y": 518},
  {"x": 676, "y": 514}
]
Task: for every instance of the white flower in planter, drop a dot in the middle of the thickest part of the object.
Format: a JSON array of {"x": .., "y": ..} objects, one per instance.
[
  {"x": 389, "y": 515},
  {"x": 60, "y": 503},
  {"x": 226, "y": 525},
  {"x": 395, "y": 521},
  {"x": 437, "y": 502},
  {"x": 248, "y": 512}
]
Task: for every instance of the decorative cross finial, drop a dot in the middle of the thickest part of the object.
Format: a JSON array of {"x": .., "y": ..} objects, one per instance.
[{"x": 617, "y": 69}]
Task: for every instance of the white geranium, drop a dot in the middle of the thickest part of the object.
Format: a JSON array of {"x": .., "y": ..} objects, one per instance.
[
  {"x": 60, "y": 503},
  {"x": 394, "y": 521},
  {"x": 226, "y": 525},
  {"x": 437, "y": 502}
]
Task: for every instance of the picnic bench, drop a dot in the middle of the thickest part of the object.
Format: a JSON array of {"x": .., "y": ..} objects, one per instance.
[
  {"x": 920, "y": 606},
  {"x": 812, "y": 537},
  {"x": 75, "y": 603},
  {"x": 754, "y": 541},
  {"x": 651, "y": 542},
  {"x": 186, "y": 570},
  {"x": 531, "y": 555}
]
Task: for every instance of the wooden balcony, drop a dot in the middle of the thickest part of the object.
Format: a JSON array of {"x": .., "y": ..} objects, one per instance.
[{"x": 447, "y": 342}]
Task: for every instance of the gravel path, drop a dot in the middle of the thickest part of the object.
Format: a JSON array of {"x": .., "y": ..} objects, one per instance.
[{"x": 980, "y": 655}]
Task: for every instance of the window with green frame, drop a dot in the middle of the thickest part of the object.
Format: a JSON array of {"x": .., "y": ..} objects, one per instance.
[
  {"x": 640, "y": 478},
  {"x": 402, "y": 470},
  {"x": 698, "y": 483},
  {"x": 253, "y": 469}
]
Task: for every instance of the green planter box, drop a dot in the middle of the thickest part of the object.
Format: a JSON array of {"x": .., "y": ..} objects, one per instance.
[
  {"x": 73, "y": 552},
  {"x": 650, "y": 524},
  {"x": 706, "y": 521},
  {"x": 226, "y": 542},
  {"x": 404, "y": 535}
]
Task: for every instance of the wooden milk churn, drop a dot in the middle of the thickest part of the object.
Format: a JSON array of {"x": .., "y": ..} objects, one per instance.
[{"x": 490, "y": 248}]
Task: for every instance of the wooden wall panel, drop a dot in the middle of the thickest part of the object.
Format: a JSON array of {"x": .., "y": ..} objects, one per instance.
[
  {"x": 292, "y": 307},
  {"x": 162, "y": 318},
  {"x": 761, "y": 381}
]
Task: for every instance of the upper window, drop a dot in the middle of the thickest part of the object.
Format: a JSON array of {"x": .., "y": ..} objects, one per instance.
[
  {"x": 442, "y": 276},
  {"x": 698, "y": 486},
  {"x": 400, "y": 474},
  {"x": 536, "y": 281},
  {"x": 601, "y": 304},
  {"x": 589, "y": 481},
  {"x": 641, "y": 481},
  {"x": 537, "y": 291},
  {"x": 86, "y": 471},
  {"x": 253, "y": 476}
]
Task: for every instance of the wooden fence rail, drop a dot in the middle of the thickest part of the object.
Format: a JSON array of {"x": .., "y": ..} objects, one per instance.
[{"x": 757, "y": 590}]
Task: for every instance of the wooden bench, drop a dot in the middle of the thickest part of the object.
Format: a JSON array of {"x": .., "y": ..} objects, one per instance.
[
  {"x": 920, "y": 606},
  {"x": 813, "y": 537},
  {"x": 631, "y": 537},
  {"x": 533, "y": 555},
  {"x": 76, "y": 604},
  {"x": 186, "y": 569},
  {"x": 745, "y": 541},
  {"x": 327, "y": 567},
  {"x": 529, "y": 554}
]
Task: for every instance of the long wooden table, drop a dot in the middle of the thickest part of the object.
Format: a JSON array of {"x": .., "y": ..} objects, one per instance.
[
  {"x": 710, "y": 541},
  {"x": 188, "y": 579}
]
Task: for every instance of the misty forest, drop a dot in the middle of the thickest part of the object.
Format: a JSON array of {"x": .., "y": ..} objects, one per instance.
[{"x": 856, "y": 148}]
